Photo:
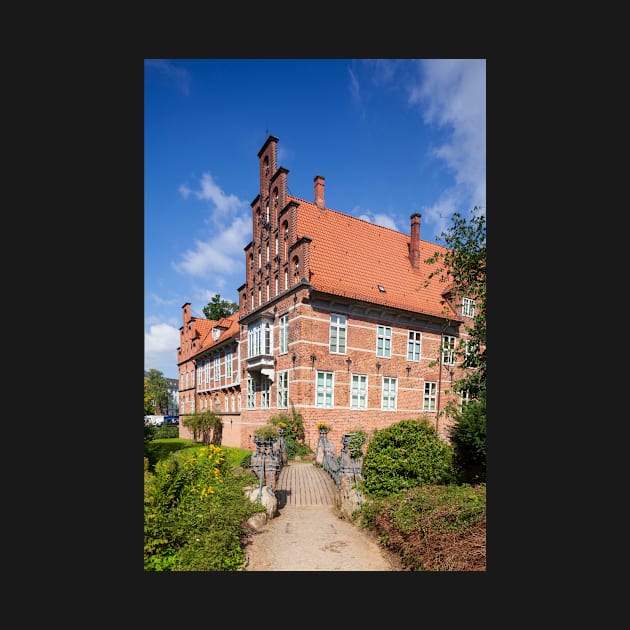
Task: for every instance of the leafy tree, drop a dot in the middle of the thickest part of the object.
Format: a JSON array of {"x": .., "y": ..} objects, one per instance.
[
  {"x": 149, "y": 408},
  {"x": 158, "y": 390},
  {"x": 468, "y": 436},
  {"x": 464, "y": 264},
  {"x": 206, "y": 426},
  {"x": 218, "y": 308}
]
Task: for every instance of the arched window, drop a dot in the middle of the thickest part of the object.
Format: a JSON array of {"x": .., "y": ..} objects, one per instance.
[
  {"x": 266, "y": 163},
  {"x": 296, "y": 266},
  {"x": 275, "y": 200}
]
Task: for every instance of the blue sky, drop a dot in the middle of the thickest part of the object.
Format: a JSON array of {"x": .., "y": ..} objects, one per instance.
[{"x": 390, "y": 137}]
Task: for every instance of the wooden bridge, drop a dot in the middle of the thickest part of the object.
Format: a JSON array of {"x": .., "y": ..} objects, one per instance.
[{"x": 304, "y": 483}]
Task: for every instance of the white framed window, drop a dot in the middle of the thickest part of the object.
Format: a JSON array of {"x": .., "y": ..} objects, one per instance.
[
  {"x": 414, "y": 345},
  {"x": 267, "y": 290},
  {"x": 324, "y": 389},
  {"x": 430, "y": 394},
  {"x": 251, "y": 393},
  {"x": 468, "y": 307},
  {"x": 228, "y": 365},
  {"x": 259, "y": 339},
  {"x": 284, "y": 334},
  {"x": 358, "y": 391},
  {"x": 199, "y": 375},
  {"x": 283, "y": 389},
  {"x": 470, "y": 346},
  {"x": 265, "y": 388},
  {"x": 337, "y": 334},
  {"x": 383, "y": 341},
  {"x": 276, "y": 286},
  {"x": 448, "y": 350},
  {"x": 464, "y": 398},
  {"x": 238, "y": 401},
  {"x": 233, "y": 398},
  {"x": 259, "y": 296},
  {"x": 286, "y": 279},
  {"x": 388, "y": 397},
  {"x": 217, "y": 368},
  {"x": 217, "y": 403}
]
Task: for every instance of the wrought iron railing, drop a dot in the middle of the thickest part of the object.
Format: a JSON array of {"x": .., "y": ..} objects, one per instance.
[
  {"x": 345, "y": 470},
  {"x": 267, "y": 460}
]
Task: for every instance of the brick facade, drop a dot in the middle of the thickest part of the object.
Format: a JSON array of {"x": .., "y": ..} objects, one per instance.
[{"x": 302, "y": 269}]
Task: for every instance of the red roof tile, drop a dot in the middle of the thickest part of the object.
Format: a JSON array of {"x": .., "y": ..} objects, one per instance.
[
  {"x": 230, "y": 326},
  {"x": 350, "y": 257}
]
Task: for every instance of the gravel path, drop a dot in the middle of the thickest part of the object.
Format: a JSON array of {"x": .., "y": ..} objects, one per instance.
[{"x": 312, "y": 537}]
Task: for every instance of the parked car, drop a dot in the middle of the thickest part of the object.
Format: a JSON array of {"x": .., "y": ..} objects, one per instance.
[{"x": 156, "y": 421}]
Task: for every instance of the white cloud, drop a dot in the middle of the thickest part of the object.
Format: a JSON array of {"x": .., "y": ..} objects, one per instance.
[
  {"x": 160, "y": 300},
  {"x": 221, "y": 254},
  {"x": 379, "y": 219},
  {"x": 453, "y": 95},
  {"x": 209, "y": 190},
  {"x": 355, "y": 88},
  {"x": 180, "y": 76},
  {"x": 160, "y": 349},
  {"x": 438, "y": 215},
  {"x": 185, "y": 191}
]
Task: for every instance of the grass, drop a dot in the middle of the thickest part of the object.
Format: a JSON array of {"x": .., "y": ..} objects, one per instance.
[{"x": 160, "y": 449}]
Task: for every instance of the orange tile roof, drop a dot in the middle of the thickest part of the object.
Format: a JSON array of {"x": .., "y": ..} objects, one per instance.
[
  {"x": 231, "y": 329},
  {"x": 350, "y": 257}
]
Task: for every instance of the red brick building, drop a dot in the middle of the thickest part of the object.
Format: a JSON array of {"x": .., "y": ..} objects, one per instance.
[{"x": 334, "y": 320}]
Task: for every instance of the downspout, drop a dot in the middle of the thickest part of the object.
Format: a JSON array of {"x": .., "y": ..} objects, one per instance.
[{"x": 437, "y": 415}]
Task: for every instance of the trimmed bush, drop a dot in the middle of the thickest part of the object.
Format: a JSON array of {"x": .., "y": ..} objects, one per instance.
[{"x": 405, "y": 455}]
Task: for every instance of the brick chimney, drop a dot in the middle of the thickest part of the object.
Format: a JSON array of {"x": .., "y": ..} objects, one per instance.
[
  {"x": 319, "y": 192},
  {"x": 414, "y": 246},
  {"x": 186, "y": 313}
]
